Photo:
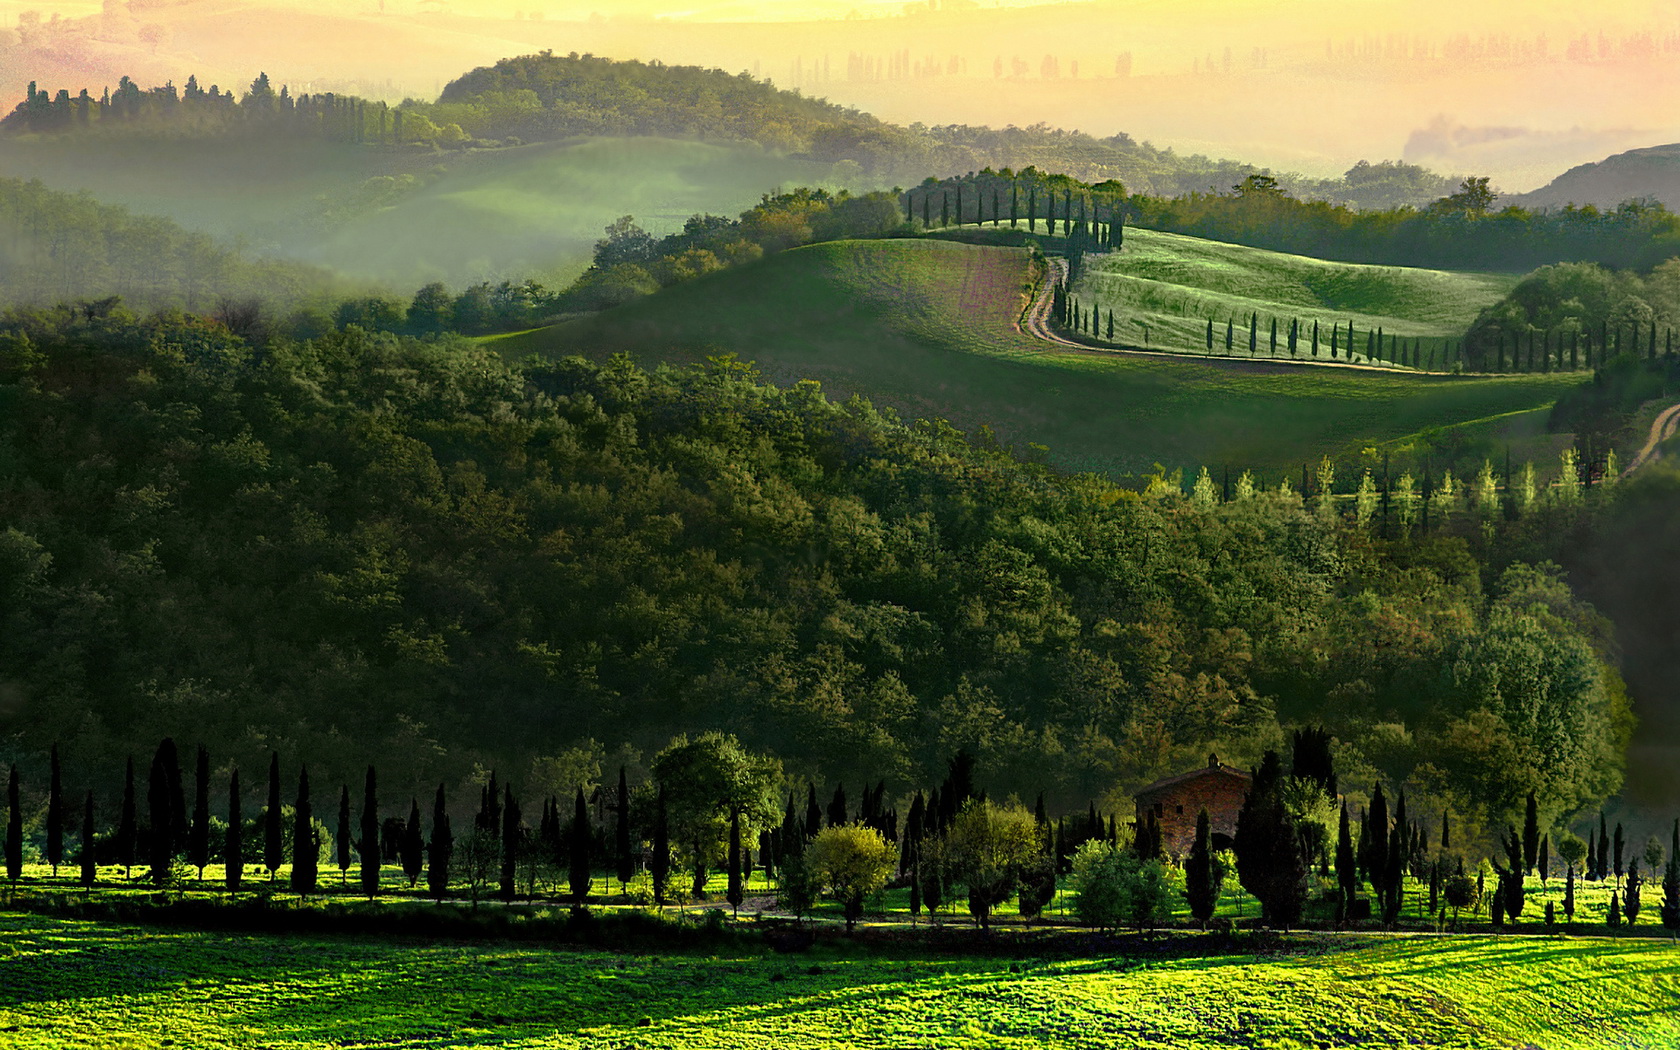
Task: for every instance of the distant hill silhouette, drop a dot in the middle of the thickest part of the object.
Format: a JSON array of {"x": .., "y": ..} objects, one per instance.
[{"x": 1653, "y": 172}]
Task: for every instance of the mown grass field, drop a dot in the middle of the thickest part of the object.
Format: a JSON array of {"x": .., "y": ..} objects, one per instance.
[
  {"x": 928, "y": 327},
  {"x": 1176, "y": 284},
  {"x": 67, "y": 983}
]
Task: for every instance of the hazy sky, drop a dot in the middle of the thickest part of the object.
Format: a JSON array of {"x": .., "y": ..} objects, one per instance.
[{"x": 1516, "y": 90}]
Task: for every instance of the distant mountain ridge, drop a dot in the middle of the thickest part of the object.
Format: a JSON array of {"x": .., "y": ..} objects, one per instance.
[{"x": 1653, "y": 172}]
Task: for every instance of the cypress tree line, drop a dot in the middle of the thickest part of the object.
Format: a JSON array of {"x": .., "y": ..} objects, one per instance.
[
  {"x": 306, "y": 849},
  {"x": 1394, "y": 875},
  {"x": 128, "y": 824},
  {"x": 234, "y": 848},
  {"x": 198, "y": 839},
  {"x": 413, "y": 844},
  {"x": 55, "y": 814},
  {"x": 369, "y": 845},
  {"x": 342, "y": 837},
  {"x": 440, "y": 850},
  {"x": 621, "y": 833},
  {"x": 581, "y": 834},
  {"x": 1670, "y": 907},
  {"x": 14, "y": 829},
  {"x": 273, "y": 844},
  {"x": 659, "y": 865},
  {"x": 90, "y": 868}
]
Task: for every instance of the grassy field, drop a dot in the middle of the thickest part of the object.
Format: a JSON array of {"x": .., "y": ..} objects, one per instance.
[
  {"x": 66, "y": 983},
  {"x": 927, "y": 327},
  {"x": 1175, "y": 284}
]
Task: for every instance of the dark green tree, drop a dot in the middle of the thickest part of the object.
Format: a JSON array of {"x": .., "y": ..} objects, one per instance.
[
  {"x": 622, "y": 855},
  {"x": 1630, "y": 899},
  {"x": 1347, "y": 868},
  {"x": 55, "y": 813},
  {"x": 735, "y": 893},
  {"x": 510, "y": 843},
  {"x": 440, "y": 850},
  {"x": 1670, "y": 907},
  {"x": 345, "y": 836},
  {"x": 274, "y": 848},
  {"x": 659, "y": 865},
  {"x": 1618, "y": 850},
  {"x": 1531, "y": 834},
  {"x": 160, "y": 802},
  {"x": 14, "y": 829},
  {"x": 582, "y": 834},
  {"x": 813, "y": 812},
  {"x": 233, "y": 868},
  {"x": 368, "y": 847},
  {"x": 837, "y": 808},
  {"x": 1201, "y": 873},
  {"x": 1603, "y": 869},
  {"x": 306, "y": 848},
  {"x": 198, "y": 838},
  {"x": 1269, "y": 859},
  {"x": 413, "y": 845},
  {"x": 128, "y": 824},
  {"x": 90, "y": 866}
]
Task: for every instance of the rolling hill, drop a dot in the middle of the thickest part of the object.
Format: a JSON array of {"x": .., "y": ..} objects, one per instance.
[
  {"x": 929, "y": 328},
  {"x": 1639, "y": 173}
]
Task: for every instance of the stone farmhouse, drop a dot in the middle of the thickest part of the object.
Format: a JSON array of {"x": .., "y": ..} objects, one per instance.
[{"x": 1175, "y": 802}]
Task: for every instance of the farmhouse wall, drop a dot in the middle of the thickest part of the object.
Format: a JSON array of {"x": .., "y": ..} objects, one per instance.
[{"x": 1176, "y": 802}]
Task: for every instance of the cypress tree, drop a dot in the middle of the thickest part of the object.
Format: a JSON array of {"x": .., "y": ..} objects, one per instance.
[
  {"x": 1617, "y": 853},
  {"x": 1014, "y": 203},
  {"x": 441, "y": 848},
  {"x": 510, "y": 843},
  {"x": 621, "y": 833},
  {"x": 1269, "y": 861},
  {"x": 1446, "y": 830},
  {"x": 1347, "y": 870},
  {"x": 581, "y": 835},
  {"x": 55, "y": 814},
  {"x": 1615, "y": 916},
  {"x": 1603, "y": 848},
  {"x": 1544, "y": 859},
  {"x": 14, "y": 829},
  {"x": 735, "y": 894},
  {"x": 1394, "y": 878},
  {"x": 1670, "y": 907},
  {"x": 1569, "y": 895},
  {"x": 369, "y": 845},
  {"x": 1589, "y": 870},
  {"x": 413, "y": 845},
  {"x": 273, "y": 839},
  {"x": 198, "y": 840},
  {"x": 90, "y": 869},
  {"x": 1200, "y": 887},
  {"x": 234, "y": 849},
  {"x": 1230, "y": 334},
  {"x": 1376, "y": 851},
  {"x": 1531, "y": 834},
  {"x": 1210, "y": 335},
  {"x": 128, "y": 824},
  {"x": 1630, "y": 900},
  {"x": 305, "y": 849},
  {"x": 343, "y": 838},
  {"x": 659, "y": 865},
  {"x": 837, "y": 809},
  {"x": 813, "y": 812},
  {"x": 161, "y": 806}
]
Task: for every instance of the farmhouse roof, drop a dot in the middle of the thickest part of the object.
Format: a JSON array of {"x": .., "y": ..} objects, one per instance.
[{"x": 1213, "y": 768}]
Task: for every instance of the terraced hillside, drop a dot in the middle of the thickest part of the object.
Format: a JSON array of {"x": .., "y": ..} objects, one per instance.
[
  {"x": 1176, "y": 284},
  {"x": 929, "y": 327}
]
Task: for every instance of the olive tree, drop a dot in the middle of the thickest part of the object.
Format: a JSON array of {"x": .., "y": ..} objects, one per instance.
[
  {"x": 986, "y": 848},
  {"x": 849, "y": 862}
]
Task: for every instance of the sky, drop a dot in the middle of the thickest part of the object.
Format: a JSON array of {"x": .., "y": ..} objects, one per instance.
[{"x": 1518, "y": 91}]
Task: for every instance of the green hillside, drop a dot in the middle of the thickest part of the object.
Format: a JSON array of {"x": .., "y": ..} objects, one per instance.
[
  {"x": 1176, "y": 284},
  {"x": 69, "y": 984},
  {"x": 928, "y": 327}
]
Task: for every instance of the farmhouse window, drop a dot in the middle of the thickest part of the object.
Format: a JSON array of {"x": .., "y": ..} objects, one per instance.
[
  {"x": 1181, "y": 811},
  {"x": 1160, "y": 810}
]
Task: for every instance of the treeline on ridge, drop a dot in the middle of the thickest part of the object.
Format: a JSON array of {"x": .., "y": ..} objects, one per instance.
[{"x": 367, "y": 541}]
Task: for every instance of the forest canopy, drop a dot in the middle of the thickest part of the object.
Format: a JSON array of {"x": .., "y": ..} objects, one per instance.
[{"x": 367, "y": 544}]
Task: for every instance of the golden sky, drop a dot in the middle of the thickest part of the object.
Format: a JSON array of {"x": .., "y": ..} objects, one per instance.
[{"x": 1519, "y": 90}]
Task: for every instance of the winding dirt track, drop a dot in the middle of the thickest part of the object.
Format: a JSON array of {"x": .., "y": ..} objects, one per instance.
[
  {"x": 1663, "y": 427},
  {"x": 1035, "y": 321}
]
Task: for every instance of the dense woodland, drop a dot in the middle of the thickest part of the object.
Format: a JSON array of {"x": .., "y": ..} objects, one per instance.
[{"x": 373, "y": 543}]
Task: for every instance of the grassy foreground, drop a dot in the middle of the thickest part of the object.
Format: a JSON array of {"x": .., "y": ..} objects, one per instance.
[
  {"x": 928, "y": 327},
  {"x": 74, "y": 984}
]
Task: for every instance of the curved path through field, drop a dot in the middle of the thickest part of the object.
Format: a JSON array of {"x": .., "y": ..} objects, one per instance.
[
  {"x": 1663, "y": 427},
  {"x": 1035, "y": 321}
]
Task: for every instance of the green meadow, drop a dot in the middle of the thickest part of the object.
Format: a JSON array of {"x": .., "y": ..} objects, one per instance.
[
  {"x": 68, "y": 983},
  {"x": 928, "y": 327}
]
